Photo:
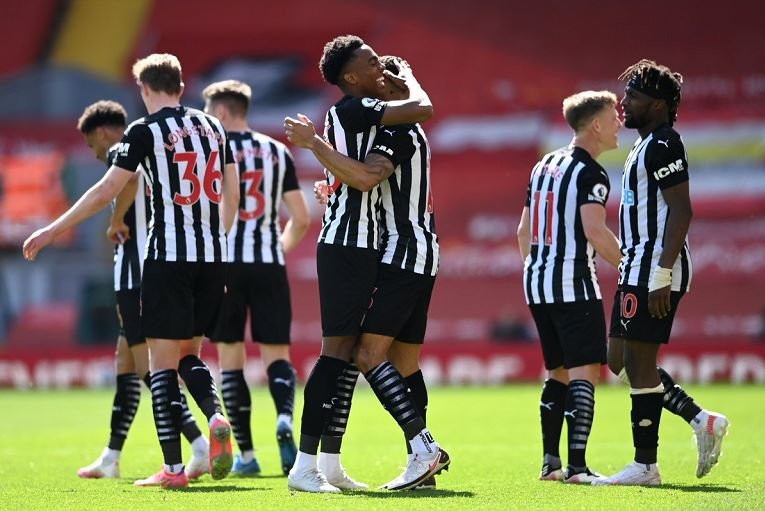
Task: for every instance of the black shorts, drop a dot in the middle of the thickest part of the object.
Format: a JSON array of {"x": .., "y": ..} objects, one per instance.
[
  {"x": 631, "y": 320},
  {"x": 263, "y": 290},
  {"x": 572, "y": 334},
  {"x": 180, "y": 300},
  {"x": 347, "y": 277},
  {"x": 129, "y": 315},
  {"x": 399, "y": 305}
]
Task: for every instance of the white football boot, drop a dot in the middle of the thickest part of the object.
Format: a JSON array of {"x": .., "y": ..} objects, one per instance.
[
  {"x": 103, "y": 467},
  {"x": 634, "y": 474},
  {"x": 419, "y": 469},
  {"x": 330, "y": 466},
  {"x": 710, "y": 429},
  {"x": 309, "y": 479}
]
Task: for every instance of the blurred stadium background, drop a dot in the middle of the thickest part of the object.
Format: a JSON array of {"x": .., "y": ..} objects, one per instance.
[{"x": 496, "y": 71}]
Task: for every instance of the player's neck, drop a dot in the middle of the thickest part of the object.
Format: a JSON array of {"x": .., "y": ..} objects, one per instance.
[
  {"x": 651, "y": 127},
  {"x": 237, "y": 125},
  {"x": 588, "y": 144},
  {"x": 156, "y": 103}
]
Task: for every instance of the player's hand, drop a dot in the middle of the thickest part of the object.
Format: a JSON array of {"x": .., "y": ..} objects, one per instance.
[
  {"x": 38, "y": 240},
  {"x": 396, "y": 81},
  {"x": 321, "y": 191},
  {"x": 404, "y": 76},
  {"x": 659, "y": 305},
  {"x": 299, "y": 131},
  {"x": 118, "y": 232}
]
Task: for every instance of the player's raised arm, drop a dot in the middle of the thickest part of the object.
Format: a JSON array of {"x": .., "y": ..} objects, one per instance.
[
  {"x": 416, "y": 108},
  {"x": 93, "y": 201}
]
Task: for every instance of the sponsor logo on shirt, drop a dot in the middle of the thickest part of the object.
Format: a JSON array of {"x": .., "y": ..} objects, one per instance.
[{"x": 669, "y": 169}]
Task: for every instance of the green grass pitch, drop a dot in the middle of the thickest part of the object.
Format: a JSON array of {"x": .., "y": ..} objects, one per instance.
[{"x": 492, "y": 434}]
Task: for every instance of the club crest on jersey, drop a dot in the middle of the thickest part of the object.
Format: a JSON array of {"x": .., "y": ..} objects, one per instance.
[
  {"x": 669, "y": 169},
  {"x": 599, "y": 193},
  {"x": 375, "y": 104}
]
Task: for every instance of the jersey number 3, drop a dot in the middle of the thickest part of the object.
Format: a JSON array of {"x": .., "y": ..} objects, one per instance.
[
  {"x": 254, "y": 178},
  {"x": 211, "y": 175}
]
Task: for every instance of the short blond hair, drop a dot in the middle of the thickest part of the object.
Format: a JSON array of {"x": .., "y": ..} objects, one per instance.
[
  {"x": 235, "y": 95},
  {"x": 161, "y": 72},
  {"x": 580, "y": 108}
]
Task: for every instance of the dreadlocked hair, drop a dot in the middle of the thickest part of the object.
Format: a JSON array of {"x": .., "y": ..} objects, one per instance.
[{"x": 658, "y": 82}]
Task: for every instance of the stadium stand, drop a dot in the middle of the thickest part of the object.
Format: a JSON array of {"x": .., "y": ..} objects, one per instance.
[{"x": 496, "y": 73}]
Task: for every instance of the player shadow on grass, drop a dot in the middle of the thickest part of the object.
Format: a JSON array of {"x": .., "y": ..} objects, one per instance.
[
  {"x": 216, "y": 489},
  {"x": 695, "y": 488},
  {"x": 256, "y": 477},
  {"x": 413, "y": 494}
]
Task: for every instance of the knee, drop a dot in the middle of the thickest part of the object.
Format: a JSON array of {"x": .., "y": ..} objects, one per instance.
[
  {"x": 615, "y": 366},
  {"x": 188, "y": 363},
  {"x": 123, "y": 361},
  {"x": 338, "y": 347},
  {"x": 367, "y": 358}
]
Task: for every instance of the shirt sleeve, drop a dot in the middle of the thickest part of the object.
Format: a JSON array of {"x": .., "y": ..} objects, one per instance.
[
  {"x": 228, "y": 153},
  {"x": 358, "y": 114},
  {"x": 395, "y": 143},
  {"x": 528, "y": 195},
  {"x": 111, "y": 156},
  {"x": 666, "y": 161},
  {"x": 593, "y": 186},
  {"x": 290, "y": 176},
  {"x": 133, "y": 148}
]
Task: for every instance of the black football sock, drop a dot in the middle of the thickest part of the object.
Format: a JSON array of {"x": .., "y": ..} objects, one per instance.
[
  {"x": 391, "y": 390},
  {"x": 551, "y": 407},
  {"x": 676, "y": 400},
  {"x": 646, "y": 415},
  {"x": 126, "y": 399},
  {"x": 580, "y": 410},
  {"x": 337, "y": 422},
  {"x": 281, "y": 384},
  {"x": 236, "y": 398},
  {"x": 166, "y": 403},
  {"x": 317, "y": 401},
  {"x": 189, "y": 426},
  {"x": 418, "y": 393},
  {"x": 200, "y": 384}
]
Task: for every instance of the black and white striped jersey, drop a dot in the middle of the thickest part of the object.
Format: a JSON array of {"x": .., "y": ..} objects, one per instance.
[
  {"x": 408, "y": 237},
  {"x": 655, "y": 162},
  {"x": 351, "y": 215},
  {"x": 128, "y": 256},
  {"x": 182, "y": 152},
  {"x": 266, "y": 172},
  {"x": 561, "y": 264}
]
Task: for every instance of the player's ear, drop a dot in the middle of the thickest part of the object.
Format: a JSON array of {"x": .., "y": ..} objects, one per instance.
[
  {"x": 595, "y": 125},
  {"x": 349, "y": 78},
  {"x": 182, "y": 87},
  {"x": 219, "y": 111}
]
